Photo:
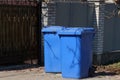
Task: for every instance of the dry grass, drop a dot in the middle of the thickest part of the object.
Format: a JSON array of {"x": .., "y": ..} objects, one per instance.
[{"x": 112, "y": 68}]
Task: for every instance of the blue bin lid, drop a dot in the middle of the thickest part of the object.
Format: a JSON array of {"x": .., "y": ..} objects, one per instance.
[
  {"x": 52, "y": 29},
  {"x": 75, "y": 31}
]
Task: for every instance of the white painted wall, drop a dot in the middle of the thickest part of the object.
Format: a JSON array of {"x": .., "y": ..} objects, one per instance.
[{"x": 109, "y": 1}]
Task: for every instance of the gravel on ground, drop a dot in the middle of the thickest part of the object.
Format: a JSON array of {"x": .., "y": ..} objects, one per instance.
[{"x": 38, "y": 73}]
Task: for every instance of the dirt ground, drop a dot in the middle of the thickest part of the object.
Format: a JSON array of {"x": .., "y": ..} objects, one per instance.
[{"x": 37, "y": 73}]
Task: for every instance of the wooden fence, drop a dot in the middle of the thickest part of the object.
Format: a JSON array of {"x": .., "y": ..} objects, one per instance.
[{"x": 19, "y": 30}]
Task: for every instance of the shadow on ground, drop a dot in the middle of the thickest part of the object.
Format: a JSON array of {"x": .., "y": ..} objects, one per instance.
[
  {"x": 102, "y": 74},
  {"x": 105, "y": 74},
  {"x": 18, "y": 67}
]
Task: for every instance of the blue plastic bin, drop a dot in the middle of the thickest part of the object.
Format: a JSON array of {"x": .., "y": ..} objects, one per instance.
[
  {"x": 52, "y": 58},
  {"x": 76, "y": 51}
]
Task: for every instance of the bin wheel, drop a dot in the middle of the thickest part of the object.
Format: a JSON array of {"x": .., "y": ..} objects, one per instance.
[{"x": 91, "y": 72}]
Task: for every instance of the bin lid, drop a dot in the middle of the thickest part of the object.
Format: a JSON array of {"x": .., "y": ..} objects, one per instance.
[
  {"x": 75, "y": 31},
  {"x": 52, "y": 29}
]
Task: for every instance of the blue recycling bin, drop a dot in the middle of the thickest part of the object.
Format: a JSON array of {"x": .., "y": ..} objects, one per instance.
[
  {"x": 76, "y": 51},
  {"x": 52, "y": 57}
]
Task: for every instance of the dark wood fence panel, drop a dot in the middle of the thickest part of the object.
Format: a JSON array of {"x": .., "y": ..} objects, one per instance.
[{"x": 18, "y": 30}]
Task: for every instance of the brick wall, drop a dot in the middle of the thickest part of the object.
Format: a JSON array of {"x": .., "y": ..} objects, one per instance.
[
  {"x": 51, "y": 13},
  {"x": 44, "y": 14},
  {"x": 99, "y": 26}
]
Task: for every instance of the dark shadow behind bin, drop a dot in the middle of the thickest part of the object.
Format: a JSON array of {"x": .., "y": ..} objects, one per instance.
[
  {"x": 52, "y": 57},
  {"x": 76, "y": 51}
]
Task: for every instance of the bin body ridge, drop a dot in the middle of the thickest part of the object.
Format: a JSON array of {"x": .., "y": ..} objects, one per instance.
[
  {"x": 76, "y": 51},
  {"x": 71, "y": 58},
  {"x": 52, "y": 57}
]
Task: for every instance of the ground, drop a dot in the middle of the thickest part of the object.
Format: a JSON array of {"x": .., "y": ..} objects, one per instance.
[{"x": 38, "y": 73}]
